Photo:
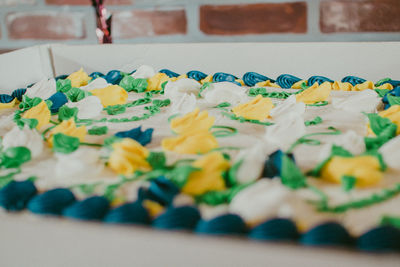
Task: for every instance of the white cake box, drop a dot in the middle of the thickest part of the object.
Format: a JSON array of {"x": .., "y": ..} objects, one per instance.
[{"x": 26, "y": 240}]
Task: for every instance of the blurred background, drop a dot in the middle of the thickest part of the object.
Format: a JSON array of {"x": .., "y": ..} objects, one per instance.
[{"x": 31, "y": 22}]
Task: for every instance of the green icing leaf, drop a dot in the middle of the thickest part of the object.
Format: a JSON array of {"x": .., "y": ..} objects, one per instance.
[
  {"x": 98, "y": 130},
  {"x": 291, "y": 175},
  {"x": 382, "y": 92},
  {"x": 111, "y": 140},
  {"x": 76, "y": 94},
  {"x": 215, "y": 198},
  {"x": 257, "y": 91},
  {"x": 63, "y": 86},
  {"x": 157, "y": 160},
  {"x": 390, "y": 220},
  {"x": 131, "y": 84},
  {"x": 378, "y": 155},
  {"x": 380, "y": 125},
  {"x": 28, "y": 103},
  {"x": 204, "y": 87},
  {"x": 21, "y": 122},
  {"x": 115, "y": 109},
  {"x": 179, "y": 175},
  {"x": 348, "y": 182},
  {"x": 232, "y": 178},
  {"x": 65, "y": 113},
  {"x": 13, "y": 157},
  {"x": 382, "y": 81},
  {"x": 65, "y": 144},
  {"x": 161, "y": 103},
  {"x": 393, "y": 100},
  {"x": 315, "y": 121},
  {"x": 223, "y": 105}
]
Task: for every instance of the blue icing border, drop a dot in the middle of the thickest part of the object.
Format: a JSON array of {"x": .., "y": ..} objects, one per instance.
[
  {"x": 318, "y": 79},
  {"x": 353, "y": 80},
  {"x": 382, "y": 238},
  {"x": 92, "y": 208},
  {"x": 196, "y": 75},
  {"x": 252, "y": 78},
  {"x": 286, "y": 81},
  {"x": 222, "y": 225},
  {"x": 128, "y": 213},
  {"x": 178, "y": 218},
  {"x": 327, "y": 234},
  {"x": 169, "y": 73},
  {"x": 15, "y": 195},
  {"x": 52, "y": 201},
  {"x": 277, "y": 229}
]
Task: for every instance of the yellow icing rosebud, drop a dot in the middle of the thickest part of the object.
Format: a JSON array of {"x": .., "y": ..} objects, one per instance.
[
  {"x": 315, "y": 94},
  {"x": 128, "y": 156},
  {"x": 207, "y": 79},
  {"x": 155, "y": 82},
  {"x": 40, "y": 112},
  {"x": 8, "y": 105},
  {"x": 190, "y": 143},
  {"x": 366, "y": 170},
  {"x": 342, "y": 86},
  {"x": 209, "y": 177},
  {"x": 68, "y": 128},
  {"x": 256, "y": 109},
  {"x": 153, "y": 208},
  {"x": 194, "y": 121},
  {"x": 79, "y": 78},
  {"x": 267, "y": 83},
  {"x": 240, "y": 81},
  {"x": 386, "y": 86},
  {"x": 393, "y": 114},
  {"x": 363, "y": 86},
  {"x": 298, "y": 84},
  {"x": 111, "y": 95},
  {"x": 182, "y": 76}
]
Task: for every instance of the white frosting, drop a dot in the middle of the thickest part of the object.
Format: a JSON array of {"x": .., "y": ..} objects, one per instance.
[
  {"x": 259, "y": 201},
  {"x": 229, "y": 92},
  {"x": 210, "y": 212},
  {"x": 6, "y": 123},
  {"x": 88, "y": 108},
  {"x": 24, "y": 137},
  {"x": 184, "y": 104},
  {"x": 96, "y": 84},
  {"x": 286, "y": 130},
  {"x": 288, "y": 105},
  {"x": 82, "y": 162},
  {"x": 143, "y": 72},
  {"x": 391, "y": 153},
  {"x": 184, "y": 85},
  {"x": 350, "y": 141},
  {"x": 43, "y": 89},
  {"x": 364, "y": 101},
  {"x": 252, "y": 164}
]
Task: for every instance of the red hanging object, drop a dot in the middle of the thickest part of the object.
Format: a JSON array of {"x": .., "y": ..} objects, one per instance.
[{"x": 103, "y": 22}]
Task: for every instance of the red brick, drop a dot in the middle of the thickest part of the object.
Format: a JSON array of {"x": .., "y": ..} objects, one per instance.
[
  {"x": 360, "y": 16},
  {"x": 88, "y": 2},
  {"x": 46, "y": 25},
  {"x": 254, "y": 18},
  {"x": 143, "y": 23}
]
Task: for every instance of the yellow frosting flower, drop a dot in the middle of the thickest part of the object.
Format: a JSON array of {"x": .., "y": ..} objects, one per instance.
[
  {"x": 366, "y": 170},
  {"x": 155, "y": 82},
  {"x": 68, "y": 128},
  {"x": 256, "y": 109},
  {"x": 153, "y": 208},
  {"x": 111, "y": 95},
  {"x": 393, "y": 114},
  {"x": 315, "y": 94},
  {"x": 182, "y": 76},
  {"x": 363, "y": 86},
  {"x": 209, "y": 177},
  {"x": 8, "y": 105},
  {"x": 267, "y": 83},
  {"x": 194, "y": 121},
  {"x": 190, "y": 143},
  {"x": 40, "y": 112},
  {"x": 207, "y": 79},
  {"x": 387, "y": 86},
  {"x": 342, "y": 86},
  {"x": 128, "y": 156},
  {"x": 79, "y": 78},
  {"x": 298, "y": 84}
]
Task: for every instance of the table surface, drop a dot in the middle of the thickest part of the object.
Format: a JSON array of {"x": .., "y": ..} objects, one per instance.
[{"x": 28, "y": 240}]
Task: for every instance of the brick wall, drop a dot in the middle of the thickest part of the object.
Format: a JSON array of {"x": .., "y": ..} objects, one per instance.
[{"x": 30, "y": 22}]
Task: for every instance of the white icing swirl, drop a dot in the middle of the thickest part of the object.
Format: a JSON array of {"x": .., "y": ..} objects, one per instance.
[
  {"x": 143, "y": 72},
  {"x": 364, "y": 101},
  {"x": 43, "y": 89},
  {"x": 185, "y": 85},
  {"x": 183, "y": 104},
  {"x": 288, "y": 105},
  {"x": 252, "y": 164},
  {"x": 88, "y": 108},
  {"x": 97, "y": 83},
  {"x": 225, "y": 92},
  {"x": 24, "y": 137},
  {"x": 391, "y": 153}
]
